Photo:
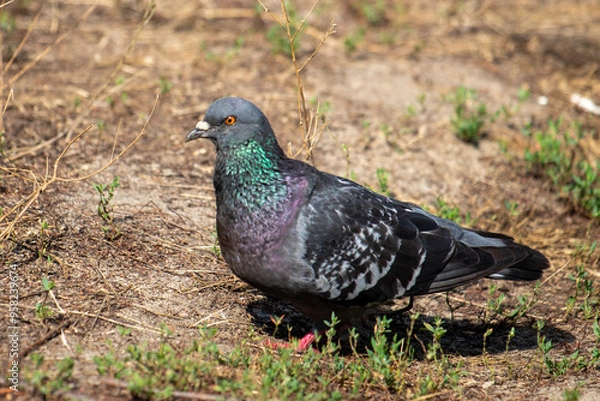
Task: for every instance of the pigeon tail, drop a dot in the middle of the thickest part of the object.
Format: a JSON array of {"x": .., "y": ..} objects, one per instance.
[
  {"x": 483, "y": 254},
  {"x": 529, "y": 269}
]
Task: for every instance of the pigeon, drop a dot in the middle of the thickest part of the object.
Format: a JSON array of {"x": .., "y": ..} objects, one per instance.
[{"x": 327, "y": 244}]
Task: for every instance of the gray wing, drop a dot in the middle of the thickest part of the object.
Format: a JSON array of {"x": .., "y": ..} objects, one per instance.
[{"x": 366, "y": 248}]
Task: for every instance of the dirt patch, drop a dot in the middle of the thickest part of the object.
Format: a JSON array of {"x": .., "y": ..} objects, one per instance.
[{"x": 162, "y": 269}]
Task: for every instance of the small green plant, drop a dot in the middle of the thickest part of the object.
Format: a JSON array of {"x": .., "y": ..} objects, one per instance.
[
  {"x": 487, "y": 333},
  {"x": 353, "y": 39},
  {"x": 523, "y": 94},
  {"x": 375, "y": 12},
  {"x": 509, "y": 337},
  {"x": 237, "y": 46},
  {"x": 278, "y": 37},
  {"x": 43, "y": 240},
  {"x": 48, "y": 383},
  {"x": 585, "y": 294},
  {"x": 412, "y": 110},
  {"x": 434, "y": 349},
  {"x": 495, "y": 305},
  {"x": 512, "y": 207},
  {"x": 105, "y": 209},
  {"x": 164, "y": 84},
  {"x": 384, "y": 355},
  {"x": 215, "y": 247},
  {"x": 448, "y": 374},
  {"x": 386, "y": 130},
  {"x": 572, "y": 394},
  {"x": 468, "y": 118},
  {"x": 321, "y": 107},
  {"x": 453, "y": 213},
  {"x": 496, "y": 309},
  {"x": 382, "y": 181},
  {"x": 525, "y": 304},
  {"x": 42, "y": 310},
  {"x": 7, "y": 22},
  {"x": 557, "y": 153},
  {"x": 585, "y": 187},
  {"x": 576, "y": 361}
]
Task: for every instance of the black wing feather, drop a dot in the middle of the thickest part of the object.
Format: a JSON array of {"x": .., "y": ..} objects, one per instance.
[{"x": 366, "y": 248}]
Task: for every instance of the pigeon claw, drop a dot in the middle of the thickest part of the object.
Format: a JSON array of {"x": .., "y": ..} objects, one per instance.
[{"x": 304, "y": 344}]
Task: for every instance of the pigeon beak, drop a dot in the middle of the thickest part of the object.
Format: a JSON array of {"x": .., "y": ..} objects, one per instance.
[{"x": 202, "y": 130}]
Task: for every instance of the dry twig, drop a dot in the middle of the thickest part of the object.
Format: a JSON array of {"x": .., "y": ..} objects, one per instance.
[
  {"x": 42, "y": 182},
  {"x": 309, "y": 120}
]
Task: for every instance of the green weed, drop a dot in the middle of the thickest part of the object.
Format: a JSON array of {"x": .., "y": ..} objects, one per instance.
[
  {"x": 576, "y": 361},
  {"x": 383, "y": 181},
  {"x": 453, "y": 213},
  {"x": 375, "y": 12},
  {"x": 497, "y": 310},
  {"x": 215, "y": 248},
  {"x": 512, "y": 207},
  {"x": 263, "y": 374},
  {"x": 468, "y": 118},
  {"x": 523, "y": 94},
  {"x": 448, "y": 375},
  {"x": 572, "y": 394},
  {"x": 585, "y": 294},
  {"x": 7, "y": 22},
  {"x": 48, "y": 383},
  {"x": 43, "y": 240},
  {"x": 164, "y": 84},
  {"x": 353, "y": 39},
  {"x": 557, "y": 153},
  {"x": 106, "y": 193},
  {"x": 386, "y": 130},
  {"x": 412, "y": 110},
  {"x": 42, "y": 310},
  {"x": 278, "y": 37}
]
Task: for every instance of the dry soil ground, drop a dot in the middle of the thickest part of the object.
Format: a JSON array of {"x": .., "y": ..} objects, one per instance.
[{"x": 94, "y": 63}]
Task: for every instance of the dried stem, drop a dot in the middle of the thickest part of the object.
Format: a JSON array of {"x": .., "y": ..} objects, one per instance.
[
  {"x": 42, "y": 182},
  {"x": 47, "y": 50},
  {"x": 311, "y": 130}
]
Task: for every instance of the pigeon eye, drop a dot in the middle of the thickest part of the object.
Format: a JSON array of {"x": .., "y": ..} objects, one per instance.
[{"x": 230, "y": 120}]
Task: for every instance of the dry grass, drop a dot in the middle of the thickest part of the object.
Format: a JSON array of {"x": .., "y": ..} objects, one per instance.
[{"x": 309, "y": 119}]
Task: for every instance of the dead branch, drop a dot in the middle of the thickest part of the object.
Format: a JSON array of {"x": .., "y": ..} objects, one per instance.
[
  {"x": 311, "y": 130},
  {"x": 42, "y": 182}
]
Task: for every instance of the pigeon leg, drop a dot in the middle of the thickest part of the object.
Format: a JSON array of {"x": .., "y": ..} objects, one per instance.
[
  {"x": 407, "y": 307},
  {"x": 306, "y": 342},
  {"x": 303, "y": 344}
]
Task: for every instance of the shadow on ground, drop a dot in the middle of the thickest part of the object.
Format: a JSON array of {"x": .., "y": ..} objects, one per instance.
[{"x": 463, "y": 337}]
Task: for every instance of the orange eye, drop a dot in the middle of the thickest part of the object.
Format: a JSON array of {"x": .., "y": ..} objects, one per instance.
[{"x": 230, "y": 120}]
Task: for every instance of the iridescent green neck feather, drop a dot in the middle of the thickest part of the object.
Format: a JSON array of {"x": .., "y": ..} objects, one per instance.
[{"x": 251, "y": 174}]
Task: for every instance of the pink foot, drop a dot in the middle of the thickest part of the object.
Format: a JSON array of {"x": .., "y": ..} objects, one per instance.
[{"x": 303, "y": 345}]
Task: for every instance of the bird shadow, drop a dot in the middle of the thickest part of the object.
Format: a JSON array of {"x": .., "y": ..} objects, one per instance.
[{"x": 462, "y": 337}]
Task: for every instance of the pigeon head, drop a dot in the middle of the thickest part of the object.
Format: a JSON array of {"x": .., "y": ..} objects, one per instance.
[{"x": 230, "y": 122}]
